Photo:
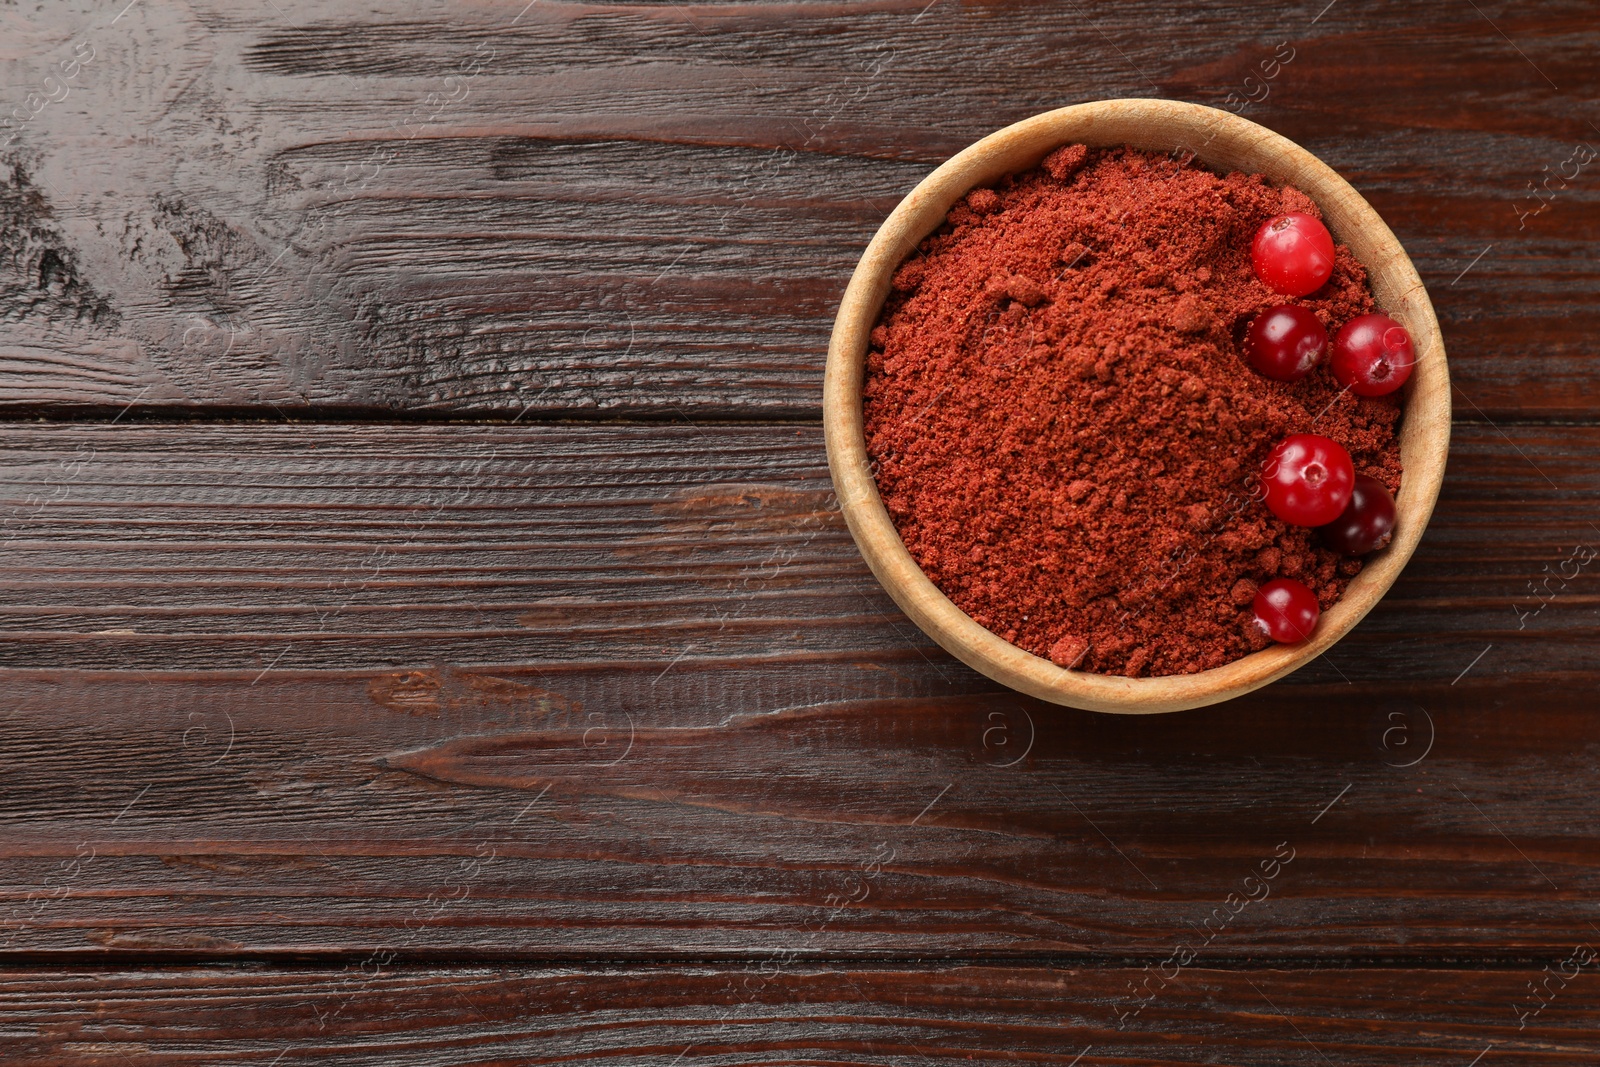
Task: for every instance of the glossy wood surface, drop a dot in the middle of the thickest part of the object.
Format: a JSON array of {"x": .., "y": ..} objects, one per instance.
[{"x": 428, "y": 636}]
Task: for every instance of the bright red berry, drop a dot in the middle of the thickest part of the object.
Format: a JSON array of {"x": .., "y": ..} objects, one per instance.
[
  {"x": 1286, "y": 610},
  {"x": 1285, "y": 342},
  {"x": 1293, "y": 254},
  {"x": 1372, "y": 355},
  {"x": 1366, "y": 523},
  {"x": 1308, "y": 479}
]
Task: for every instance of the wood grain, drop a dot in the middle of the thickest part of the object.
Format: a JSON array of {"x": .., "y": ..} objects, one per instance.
[
  {"x": 346, "y": 547},
  {"x": 337, "y": 669},
  {"x": 442, "y": 744},
  {"x": 794, "y": 1013},
  {"x": 622, "y": 810},
  {"x": 650, "y": 210}
]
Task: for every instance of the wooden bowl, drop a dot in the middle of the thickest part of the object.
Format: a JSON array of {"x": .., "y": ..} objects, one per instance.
[{"x": 1223, "y": 142}]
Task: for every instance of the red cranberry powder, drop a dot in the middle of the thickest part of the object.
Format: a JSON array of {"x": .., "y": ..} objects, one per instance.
[{"x": 1064, "y": 427}]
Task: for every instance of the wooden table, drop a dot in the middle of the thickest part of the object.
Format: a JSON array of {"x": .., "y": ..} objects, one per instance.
[{"x": 429, "y": 639}]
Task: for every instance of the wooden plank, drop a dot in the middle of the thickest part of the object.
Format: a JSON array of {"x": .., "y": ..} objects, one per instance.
[
  {"x": 497, "y": 210},
  {"x": 619, "y": 691},
  {"x": 800, "y": 1013},
  {"x": 479, "y": 814},
  {"x": 340, "y": 547}
]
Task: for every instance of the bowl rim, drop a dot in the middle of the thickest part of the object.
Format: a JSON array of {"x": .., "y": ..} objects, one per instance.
[{"x": 1150, "y": 125}]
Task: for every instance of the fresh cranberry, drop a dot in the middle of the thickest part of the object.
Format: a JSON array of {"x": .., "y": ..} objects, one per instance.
[
  {"x": 1293, "y": 254},
  {"x": 1372, "y": 355},
  {"x": 1308, "y": 479},
  {"x": 1286, "y": 610},
  {"x": 1366, "y": 523},
  {"x": 1285, "y": 342}
]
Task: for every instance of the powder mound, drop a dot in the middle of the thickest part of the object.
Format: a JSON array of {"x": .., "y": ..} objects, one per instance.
[
  {"x": 1065, "y": 432},
  {"x": 1069, "y": 651},
  {"x": 1065, "y": 161},
  {"x": 983, "y": 201},
  {"x": 1024, "y": 291}
]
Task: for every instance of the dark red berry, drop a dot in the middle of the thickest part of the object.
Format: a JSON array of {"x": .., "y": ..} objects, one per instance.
[
  {"x": 1366, "y": 523},
  {"x": 1285, "y": 342},
  {"x": 1286, "y": 610},
  {"x": 1293, "y": 254},
  {"x": 1372, "y": 355},
  {"x": 1308, "y": 479}
]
